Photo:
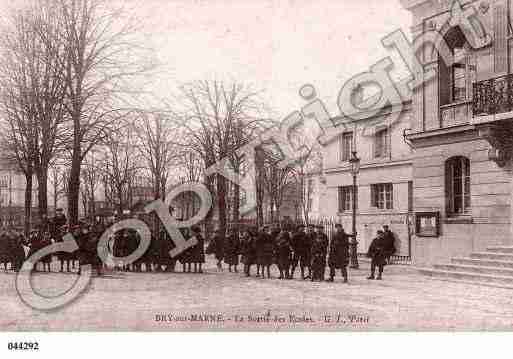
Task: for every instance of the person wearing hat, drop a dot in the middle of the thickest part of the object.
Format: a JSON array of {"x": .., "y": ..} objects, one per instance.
[
  {"x": 59, "y": 219},
  {"x": 298, "y": 244},
  {"x": 377, "y": 253},
  {"x": 248, "y": 251},
  {"x": 307, "y": 258},
  {"x": 318, "y": 256},
  {"x": 185, "y": 257},
  {"x": 338, "y": 253},
  {"x": 232, "y": 249},
  {"x": 198, "y": 249},
  {"x": 283, "y": 254},
  {"x": 46, "y": 240},
  {"x": 263, "y": 251},
  {"x": 216, "y": 247},
  {"x": 389, "y": 240}
]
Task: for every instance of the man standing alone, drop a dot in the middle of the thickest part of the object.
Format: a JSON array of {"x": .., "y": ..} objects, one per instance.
[{"x": 339, "y": 253}]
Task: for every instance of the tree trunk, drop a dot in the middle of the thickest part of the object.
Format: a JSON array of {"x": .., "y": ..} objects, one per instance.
[
  {"x": 236, "y": 203},
  {"x": 120, "y": 198},
  {"x": 84, "y": 205},
  {"x": 92, "y": 206},
  {"x": 221, "y": 202},
  {"x": 210, "y": 214},
  {"x": 259, "y": 184},
  {"x": 55, "y": 194},
  {"x": 28, "y": 201},
  {"x": 42, "y": 192},
  {"x": 74, "y": 178}
]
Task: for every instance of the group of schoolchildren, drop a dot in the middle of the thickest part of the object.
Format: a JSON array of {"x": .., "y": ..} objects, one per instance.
[{"x": 288, "y": 248}]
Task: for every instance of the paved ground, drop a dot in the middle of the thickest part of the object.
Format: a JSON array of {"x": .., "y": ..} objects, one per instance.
[{"x": 132, "y": 301}]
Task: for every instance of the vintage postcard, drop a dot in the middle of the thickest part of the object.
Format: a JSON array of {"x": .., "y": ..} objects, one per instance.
[{"x": 274, "y": 165}]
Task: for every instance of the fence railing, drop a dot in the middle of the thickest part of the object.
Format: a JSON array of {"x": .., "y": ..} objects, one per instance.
[
  {"x": 493, "y": 96},
  {"x": 329, "y": 229}
]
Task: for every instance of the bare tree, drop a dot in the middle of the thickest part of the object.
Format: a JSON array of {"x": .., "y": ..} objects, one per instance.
[
  {"x": 157, "y": 147},
  {"x": 91, "y": 176},
  {"x": 33, "y": 76},
  {"x": 305, "y": 167},
  {"x": 276, "y": 181},
  {"x": 119, "y": 167},
  {"x": 193, "y": 170},
  {"x": 18, "y": 107},
  {"x": 58, "y": 177},
  {"x": 213, "y": 114},
  {"x": 100, "y": 56}
]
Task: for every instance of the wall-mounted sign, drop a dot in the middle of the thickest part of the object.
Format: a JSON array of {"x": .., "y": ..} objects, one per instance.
[{"x": 427, "y": 224}]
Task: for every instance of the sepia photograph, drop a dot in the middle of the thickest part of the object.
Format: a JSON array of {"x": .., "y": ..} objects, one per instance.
[{"x": 255, "y": 166}]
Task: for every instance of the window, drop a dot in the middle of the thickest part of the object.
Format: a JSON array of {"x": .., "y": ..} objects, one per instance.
[
  {"x": 456, "y": 78},
  {"x": 463, "y": 71},
  {"x": 457, "y": 174},
  {"x": 382, "y": 195},
  {"x": 345, "y": 198},
  {"x": 381, "y": 143},
  {"x": 4, "y": 181},
  {"x": 346, "y": 146}
]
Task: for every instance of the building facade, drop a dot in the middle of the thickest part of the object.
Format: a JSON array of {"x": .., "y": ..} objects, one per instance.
[
  {"x": 384, "y": 182},
  {"x": 461, "y": 132},
  {"x": 12, "y": 196}
]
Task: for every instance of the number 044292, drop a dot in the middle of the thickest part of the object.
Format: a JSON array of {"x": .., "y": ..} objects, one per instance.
[{"x": 23, "y": 346}]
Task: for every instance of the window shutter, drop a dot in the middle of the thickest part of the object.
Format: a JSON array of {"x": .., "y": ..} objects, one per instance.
[
  {"x": 500, "y": 44},
  {"x": 373, "y": 196}
]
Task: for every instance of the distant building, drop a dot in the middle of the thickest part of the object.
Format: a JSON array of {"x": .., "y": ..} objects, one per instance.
[
  {"x": 12, "y": 196},
  {"x": 384, "y": 192}
]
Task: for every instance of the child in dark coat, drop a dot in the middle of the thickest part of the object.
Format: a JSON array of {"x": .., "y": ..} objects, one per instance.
[
  {"x": 198, "y": 249},
  {"x": 283, "y": 251},
  {"x": 232, "y": 250},
  {"x": 248, "y": 251}
]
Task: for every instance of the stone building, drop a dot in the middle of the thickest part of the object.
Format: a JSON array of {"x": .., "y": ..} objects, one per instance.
[
  {"x": 12, "y": 196},
  {"x": 384, "y": 182},
  {"x": 462, "y": 131}
]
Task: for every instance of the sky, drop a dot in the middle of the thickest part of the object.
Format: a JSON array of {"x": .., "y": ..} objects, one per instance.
[{"x": 273, "y": 45}]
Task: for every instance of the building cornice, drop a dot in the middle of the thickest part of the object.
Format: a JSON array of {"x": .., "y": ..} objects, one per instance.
[
  {"x": 439, "y": 132},
  {"x": 370, "y": 165},
  {"x": 406, "y": 106},
  {"x": 440, "y": 136}
]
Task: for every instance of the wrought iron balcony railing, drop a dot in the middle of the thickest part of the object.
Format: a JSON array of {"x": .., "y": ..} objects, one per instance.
[{"x": 493, "y": 96}]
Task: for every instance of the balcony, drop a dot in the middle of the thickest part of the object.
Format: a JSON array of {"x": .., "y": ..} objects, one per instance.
[
  {"x": 455, "y": 114},
  {"x": 492, "y": 111},
  {"x": 493, "y": 99}
]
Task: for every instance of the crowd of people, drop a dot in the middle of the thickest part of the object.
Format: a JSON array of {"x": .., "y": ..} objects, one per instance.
[{"x": 303, "y": 249}]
